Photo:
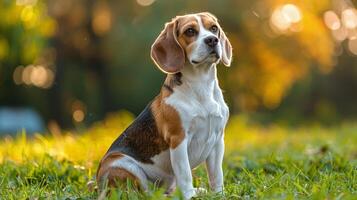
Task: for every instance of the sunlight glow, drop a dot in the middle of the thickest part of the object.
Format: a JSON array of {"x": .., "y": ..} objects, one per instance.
[
  {"x": 78, "y": 115},
  {"x": 340, "y": 34},
  {"x": 279, "y": 20},
  {"x": 27, "y": 14},
  {"x": 17, "y": 75},
  {"x": 343, "y": 27},
  {"x": 332, "y": 21},
  {"x": 145, "y": 2},
  {"x": 102, "y": 21},
  {"x": 284, "y": 17},
  {"x": 78, "y": 109},
  {"x": 38, "y": 76},
  {"x": 291, "y": 13},
  {"x": 349, "y": 18},
  {"x": 26, "y": 74}
]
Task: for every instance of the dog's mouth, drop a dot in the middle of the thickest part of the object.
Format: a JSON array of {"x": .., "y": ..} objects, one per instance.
[{"x": 212, "y": 54}]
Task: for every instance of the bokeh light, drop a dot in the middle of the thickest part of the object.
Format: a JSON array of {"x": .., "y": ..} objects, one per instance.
[
  {"x": 349, "y": 18},
  {"x": 291, "y": 13},
  {"x": 344, "y": 26},
  {"x": 27, "y": 13},
  {"x": 17, "y": 75},
  {"x": 78, "y": 115},
  {"x": 78, "y": 111},
  {"x": 352, "y": 46},
  {"x": 340, "y": 34},
  {"x": 284, "y": 17},
  {"x": 102, "y": 19},
  {"x": 279, "y": 20},
  {"x": 38, "y": 76},
  {"x": 26, "y": 74},
  {"x": 145, "y": 2},
  {"x": 332, "y": 21}
]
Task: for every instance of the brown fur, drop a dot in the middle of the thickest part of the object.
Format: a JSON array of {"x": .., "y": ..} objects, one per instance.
[
  {"x": 167, "y": 119},
  {"x": 208, "y": 21},
  {"x": 167, "y": 54},
  {"x": 119, "y": 176},
  {"x": 183, "y": 23}
]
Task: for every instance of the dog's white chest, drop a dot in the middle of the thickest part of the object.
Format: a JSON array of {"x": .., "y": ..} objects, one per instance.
[
  {"x": 203, "y": 117},
  {"x": 203, "y": 134}
]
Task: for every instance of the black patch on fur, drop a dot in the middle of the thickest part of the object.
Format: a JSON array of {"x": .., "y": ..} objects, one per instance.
[
  {"x": 141, "y": 140},
  {"x": 177, "y": 78},
  {"x": 168, "y": 88}
]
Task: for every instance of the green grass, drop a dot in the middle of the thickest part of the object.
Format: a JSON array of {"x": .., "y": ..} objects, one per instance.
[{"x": 260, "y": 163}]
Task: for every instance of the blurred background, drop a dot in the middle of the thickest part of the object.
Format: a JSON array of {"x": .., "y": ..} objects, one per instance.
[{"x": 68, "y": 63}]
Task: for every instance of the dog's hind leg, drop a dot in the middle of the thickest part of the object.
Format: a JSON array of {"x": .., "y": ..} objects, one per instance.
[{"x": 116, "y": 168}]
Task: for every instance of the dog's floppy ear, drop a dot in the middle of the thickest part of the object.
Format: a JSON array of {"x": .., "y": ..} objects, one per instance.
[
  {"x": 166, "y": 52},
  {"x": 226, "y": 48}
]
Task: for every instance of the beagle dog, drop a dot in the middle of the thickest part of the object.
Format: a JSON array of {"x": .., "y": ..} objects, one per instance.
[{"x": 184, "y": 125}]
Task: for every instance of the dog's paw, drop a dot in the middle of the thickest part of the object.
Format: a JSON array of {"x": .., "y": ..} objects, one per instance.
[
  {"x": 195, "y": 192},
  {"x": 189, "y": 194},
  {"x": 200, "y": 191}
]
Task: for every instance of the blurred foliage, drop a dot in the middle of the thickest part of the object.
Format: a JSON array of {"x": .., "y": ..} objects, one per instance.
[
  {"x": 267, "y": 64},
  {"x": 99, "y": 52},
  {"x": 24, "y": 29}
]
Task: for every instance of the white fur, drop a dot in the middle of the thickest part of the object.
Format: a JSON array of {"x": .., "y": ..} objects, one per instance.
[
  {"x": 131, "y": 165},
  {"x": 204, "y": 114}
]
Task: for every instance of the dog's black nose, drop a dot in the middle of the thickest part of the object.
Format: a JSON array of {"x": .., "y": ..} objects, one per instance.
[{"x": 211, "y": 41}]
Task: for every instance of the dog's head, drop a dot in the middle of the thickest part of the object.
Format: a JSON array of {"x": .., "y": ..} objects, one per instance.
[{"x": 196, "y": 38}]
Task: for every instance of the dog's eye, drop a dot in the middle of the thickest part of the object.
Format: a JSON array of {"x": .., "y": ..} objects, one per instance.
[
  {"x": 190, "y": 32},
  {"x": 214, "y": 29}
]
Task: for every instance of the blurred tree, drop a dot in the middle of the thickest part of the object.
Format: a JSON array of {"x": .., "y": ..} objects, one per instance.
[
  {"x": 287, "y": 62},
  {"x": 24, "y": 31},
  {"x": 81, "y": 54}
]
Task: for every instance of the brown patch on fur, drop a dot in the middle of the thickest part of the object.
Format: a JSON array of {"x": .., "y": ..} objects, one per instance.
[
  {"x": 166, "y": 52},
  {"x": 208, "y": 20},
  {"x": 208, "y": 16},
  {"x": 183, "y": 23},
  {"x": 114, "y": 175},
  {"x": 167, "y": 119},
  {"x": 119, "y": 176}
]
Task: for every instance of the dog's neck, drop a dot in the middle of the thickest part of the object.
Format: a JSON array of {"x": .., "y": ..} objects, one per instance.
[
  {"x": 199, "y": 80},
  {"x": 204, "y": 73}
]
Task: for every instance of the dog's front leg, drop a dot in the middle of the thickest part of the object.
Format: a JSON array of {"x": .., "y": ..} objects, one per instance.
[
  {"x": 182, "y": 170},
  {"x": 214, "y": 166}
]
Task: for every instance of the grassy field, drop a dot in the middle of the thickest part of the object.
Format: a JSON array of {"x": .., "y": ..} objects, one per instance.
[{"x": 260, "y": 163}]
